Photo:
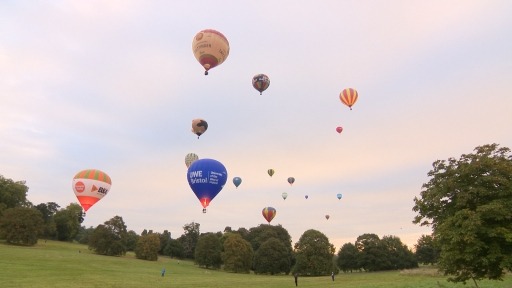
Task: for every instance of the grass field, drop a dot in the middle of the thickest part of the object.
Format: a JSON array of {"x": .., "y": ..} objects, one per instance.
[{"x": 58, "y": 264}]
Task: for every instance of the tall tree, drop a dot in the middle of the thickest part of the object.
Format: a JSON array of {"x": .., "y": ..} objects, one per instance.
[
  {"x": 12, "y": 194},
  {"x": 67, "y": 222},
  {"x": 468, "y": 204},
  {"x": 238, "y": 253},
  {"x": 174, "y": 249},
  {"x": 189, "y": 239},
  {"x": 208, "y": 251},
  {"x": 21, "y": 225},
  {"x": 272, "y": 257},
  {"x": 427, "y": 251},
  {"x": 314, "y": 254},
  {"x": 110, "y": 238},
  {"x": 348, "y": 258},
  {"x": 147, "y": 247},
  {"x": 48, "y": 211}
]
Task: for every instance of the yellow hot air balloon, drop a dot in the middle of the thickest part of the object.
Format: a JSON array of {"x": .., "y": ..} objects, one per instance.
[
  {"x": 90, "y": 186},
  {"x": 349, "y": 97},
  {"x": 190, "y": 158},
  {"x": 199, "y": 126},
  {"x": 210, "y": 48}
]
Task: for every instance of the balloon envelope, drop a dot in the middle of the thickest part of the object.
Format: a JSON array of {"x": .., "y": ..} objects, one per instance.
[
  {"x": 306, "y": 196},
  {"x": 339, "y": 129},
  {"x": 349, "y": 97},
  {"x": 291, "y": 180},
  {"x": 268, "y": 213},
  {"x": 237, "y": 181},
  {"x": 206, "y": 177},
  {"x": 190, "y": 158},
  {"x": 339, "y": 196},
  {"x": 284, "y": 195},
  {"x": 211, "y": 48},
  {"x": 270, "y": 172},
  {"x": 260, "y": 82},
  {"x": 327, "y": 217},
  {"x": 199, "y": 126},
  {"x": 90, "y": 186}
]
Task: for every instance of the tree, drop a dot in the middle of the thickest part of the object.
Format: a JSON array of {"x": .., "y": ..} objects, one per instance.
[
  {"x": 84, "y": 234},
  {"x": 372, "y": 255},
  {"x": 426, "y": 250},
  {"x": 238, "y": 253},
  {"x": 48, "y": 211},
  {"x": 468, "y": 204},
  {"x": 314, "y": 254},
  {"x": 189, "y": 239},
  {"x": 398, "y": 253},
  {"x": 21, "y": 225},
  {"x": 348, "y": 258},
  {"x": 147, "y": 247},
  {"x": 272, "y": 257},
  {"x": 12, "y": 194},
  {"x": 131, "y": 240},
  {"x": 174, "y": 249},
  {"x": 208, "y": 251},
  {"x": 164, "y": 239},
  {"x": 109, "y": 238},
  {"x": 67, "y": 222}
]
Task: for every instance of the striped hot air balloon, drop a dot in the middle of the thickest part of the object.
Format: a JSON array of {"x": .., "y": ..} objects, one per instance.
[
  {"x": 91, "y": 186},
  {"x": 349, "y": 97},
  {"x": 269, "y": 213}
]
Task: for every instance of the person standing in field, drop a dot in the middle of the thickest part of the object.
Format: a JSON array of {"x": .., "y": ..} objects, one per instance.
[
  {"x": 163, "y": 272},
  {"x": 295, "y": 275},
  {"x": 332, "y": 276}
]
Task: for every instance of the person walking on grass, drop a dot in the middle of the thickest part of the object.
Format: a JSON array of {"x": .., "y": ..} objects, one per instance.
[{"x": 163, "y": 272}]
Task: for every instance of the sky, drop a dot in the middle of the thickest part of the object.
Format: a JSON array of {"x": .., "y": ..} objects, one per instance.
[{"x": 114, "y": 86}]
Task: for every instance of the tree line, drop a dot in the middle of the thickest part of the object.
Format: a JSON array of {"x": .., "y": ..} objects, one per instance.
[{"x": 467, "y": 202}]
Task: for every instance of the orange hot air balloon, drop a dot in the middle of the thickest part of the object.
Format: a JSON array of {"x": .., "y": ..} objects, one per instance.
[
  {"x": 349, "y": 97},
  {"x": 90, "y": 186},
  {"x": 339, "y": 129},
  {"x": 210, "y": 48},
  {"x": 268, "y": 213}
]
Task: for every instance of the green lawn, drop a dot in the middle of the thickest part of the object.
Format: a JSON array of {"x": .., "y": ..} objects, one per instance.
[{"x": 58, "y": 264}]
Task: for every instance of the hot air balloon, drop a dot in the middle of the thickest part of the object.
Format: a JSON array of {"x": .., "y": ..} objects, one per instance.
[
  {"x": 260, "y": 82},
  {"x": 284, "y": 195},
  {"x": 339, "y": 196},
  {"x": 291, "y": 180},
  {"x": 348, "y": 97},
  {"x": 190, "y": 158},
  {"x": 327, "y": 217},
  {"x": 90, "y": 186},
  {"x": 270, "y": 172},
  {"x": 269, "y": 213},
  {"x": 206, "y": 177},
  {"x": 237, "y": 181},
  {"x": 199, "y": 126},
  {"x": 306, "y": 196},
  {"x": 210, "y": 48},
  {"x": 339, "y": 129}
]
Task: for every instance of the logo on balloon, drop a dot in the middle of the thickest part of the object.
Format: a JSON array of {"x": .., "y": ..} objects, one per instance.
[{"x": 79, "y": 187}]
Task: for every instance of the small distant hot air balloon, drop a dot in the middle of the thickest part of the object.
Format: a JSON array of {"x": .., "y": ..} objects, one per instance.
[
  {"x": 199, "y": 126},
  {"x": 284, "y": 195},
  {"x": 190, "y": 158},
  {"x": 268, "y": 213},
  {"x": 306, "y": 196},
  {"x": 90, "y": 186},
  {"x": 339, "y": 196},
  {"x": 291, "y": 180},
  {"x": 270, "y": 172},
  {"x": 327, "y": 217},
  {"x": 206, "y": 177},
  {"x": 339, "y": 129},
  {"x": 260, "y": 82},
  {"x": 210, "y": 48},
  {"x": 348, "y": 97},
  {"x": 237, "y": 181}
]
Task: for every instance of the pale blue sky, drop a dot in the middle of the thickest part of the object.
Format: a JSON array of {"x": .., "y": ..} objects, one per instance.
[{"x": 114, "y": 85}]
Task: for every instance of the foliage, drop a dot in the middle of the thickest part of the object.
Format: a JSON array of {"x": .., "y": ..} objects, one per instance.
[
  {"x": 348, "y": 258},
  {"x": 147, "y": 247},
  {"x": 84, "y": 234},
  {"x": 189, "y": 239},
  {"x": 468, "y": 204},
  {"x": 164, "y": 239},
  {"x": 67, "y": 222},
  {"x": 208, "y": 251},
  {"x": 237, "y": 253},
  {"x": 272, "y": 258},
  {"x": 314, "y": 254},
  {"x": 260, "y": 234},
  {"x": 131, "y": 240},
  {"x": 109, "y": 238},
  {"x": 174, "y": 249},
  {"x": 427, "y": 251},
  {"x": 21, "y": 225},
  {"x": 48, "y": 211},
  {"x": 12, "y": 194},
  {"x": 388, "y": 253}
]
